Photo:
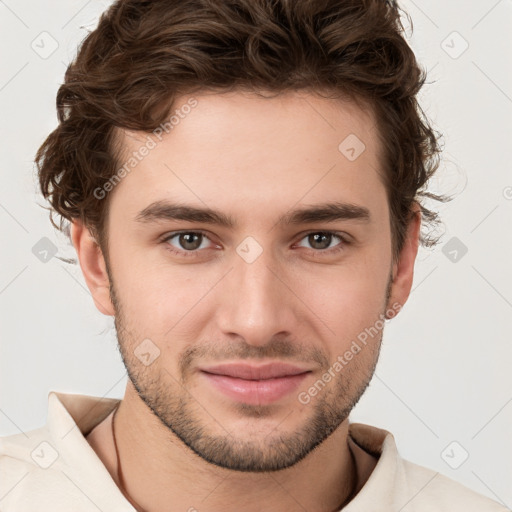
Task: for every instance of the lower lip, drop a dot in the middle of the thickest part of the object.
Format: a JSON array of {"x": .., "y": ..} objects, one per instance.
[{"x": 255, "y": 392}]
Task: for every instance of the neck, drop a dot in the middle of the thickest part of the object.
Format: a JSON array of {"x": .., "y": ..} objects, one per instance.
[{"x": 157, "y": 469}]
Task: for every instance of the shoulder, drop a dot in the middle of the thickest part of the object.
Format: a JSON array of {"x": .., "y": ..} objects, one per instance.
[
  {"x": 34, "y": 475},
  {"x": 26, "y": 462},
  {"x": 54, "y": 468},
  {"x": 430, "y": 490},
  {"x": 396, "y": 483}
]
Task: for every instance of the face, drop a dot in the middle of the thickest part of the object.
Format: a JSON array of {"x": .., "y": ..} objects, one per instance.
[{"x": 236, "y": 324}]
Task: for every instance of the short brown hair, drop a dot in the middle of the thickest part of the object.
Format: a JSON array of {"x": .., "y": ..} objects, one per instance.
[{"x": 145, "y": 53}]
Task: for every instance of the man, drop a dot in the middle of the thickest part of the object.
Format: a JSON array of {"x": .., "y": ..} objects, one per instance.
[{"x": 244, "y": 184}]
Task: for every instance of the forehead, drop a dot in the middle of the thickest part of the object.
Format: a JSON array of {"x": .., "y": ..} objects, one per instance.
[{"x": 241, "y": 150}]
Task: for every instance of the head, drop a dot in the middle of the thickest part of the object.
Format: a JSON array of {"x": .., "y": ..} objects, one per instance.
[{"x": 244, "y": 182}]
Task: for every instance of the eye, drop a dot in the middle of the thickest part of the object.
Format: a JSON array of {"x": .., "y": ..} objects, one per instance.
[
  {"x": 192, "y": 243},
  {"x": 321, "y": 241},
  {"x": 186, "y": 243}
]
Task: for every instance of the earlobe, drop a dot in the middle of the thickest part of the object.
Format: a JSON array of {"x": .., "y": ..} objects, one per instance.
[
  {"x": 403, "y": 268},
  {"x": 92, "y": 263}
]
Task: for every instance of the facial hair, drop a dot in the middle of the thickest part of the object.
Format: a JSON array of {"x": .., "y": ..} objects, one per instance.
[{"x": 187, "y": 417}]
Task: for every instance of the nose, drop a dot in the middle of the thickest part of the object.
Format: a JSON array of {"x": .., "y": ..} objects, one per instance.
[{"x": 255, "y": 302}]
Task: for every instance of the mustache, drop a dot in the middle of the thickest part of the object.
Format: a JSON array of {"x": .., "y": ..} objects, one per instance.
[{"x": 281, "y": 349}]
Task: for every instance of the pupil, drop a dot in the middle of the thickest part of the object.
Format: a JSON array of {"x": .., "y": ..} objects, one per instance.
[
  {"x": 187, "y": 240},
  {"x": 319, "y": 238}
]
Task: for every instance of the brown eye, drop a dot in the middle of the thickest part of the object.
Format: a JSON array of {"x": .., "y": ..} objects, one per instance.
[
  {"x": 186, "y": 242},
  {"x": 327, "y": 242},
  {"x": 320, "y": 240},
  {"x": 190, "y": 241}
]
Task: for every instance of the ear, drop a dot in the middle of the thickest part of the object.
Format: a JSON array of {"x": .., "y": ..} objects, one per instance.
[
  {"x": 93, "y": 267},
  {"x": 403, "y": 267}
]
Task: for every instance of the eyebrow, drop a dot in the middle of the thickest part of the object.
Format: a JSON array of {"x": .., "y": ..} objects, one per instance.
[{"x": 325, "y": 212}]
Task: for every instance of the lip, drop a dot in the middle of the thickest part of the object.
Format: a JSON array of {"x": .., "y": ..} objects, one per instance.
[
  {"x": 256, "y": 385},
  {"x": 255, "y": 372}
]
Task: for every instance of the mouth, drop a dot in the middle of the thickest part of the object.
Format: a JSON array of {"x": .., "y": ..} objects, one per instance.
[{"x": 256, "y": 385}]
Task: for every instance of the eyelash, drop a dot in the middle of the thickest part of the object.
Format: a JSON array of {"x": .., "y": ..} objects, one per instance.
[{"x": 316, "y": 252}]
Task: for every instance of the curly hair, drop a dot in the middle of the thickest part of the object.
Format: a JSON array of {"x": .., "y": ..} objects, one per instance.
[{"x": 145, "y": 53}]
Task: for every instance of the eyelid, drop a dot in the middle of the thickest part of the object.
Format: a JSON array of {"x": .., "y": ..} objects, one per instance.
[
  {"x": 345, "y": 239},
  {"x": 168, "y": 236},
  {"x": 340, "y": 234}
]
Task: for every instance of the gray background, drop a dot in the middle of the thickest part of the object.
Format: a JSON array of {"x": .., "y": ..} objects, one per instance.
[{"x": 443, "y": 383}]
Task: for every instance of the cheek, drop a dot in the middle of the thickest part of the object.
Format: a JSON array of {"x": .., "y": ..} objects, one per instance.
[
  {"x": 154, "y": 296},
  {"x": 171, "y": 303},
  {"x": 348, "y": 299},
  {"x": 167, "y": 302}
]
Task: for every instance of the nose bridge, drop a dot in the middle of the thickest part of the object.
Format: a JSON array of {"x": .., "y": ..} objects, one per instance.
[{"x": 255, "y": 303}]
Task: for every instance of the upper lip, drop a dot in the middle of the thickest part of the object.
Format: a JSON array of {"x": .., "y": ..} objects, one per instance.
[{"x": 253, "y": 372}]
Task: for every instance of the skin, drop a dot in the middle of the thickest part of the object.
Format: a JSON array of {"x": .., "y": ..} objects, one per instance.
[{"x": 253, "y": 159}]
